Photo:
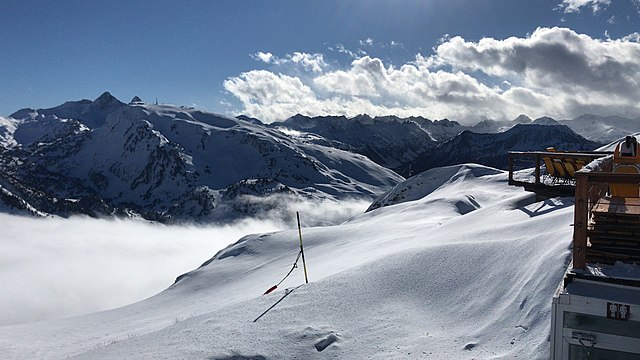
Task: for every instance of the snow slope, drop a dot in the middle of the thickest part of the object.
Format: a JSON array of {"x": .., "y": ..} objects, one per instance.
[
  {"x": 612, "y": 145},
  {"x": 417, "y": 278},
  {"x": 425, "y": 183}
]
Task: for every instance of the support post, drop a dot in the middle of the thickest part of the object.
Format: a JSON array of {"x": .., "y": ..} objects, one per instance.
[
  {"x": 537, "y": 169},
  {"x": 580, "y": 220},
  {"x": 510, "y": 169},
  {"x": 304, "y": 263}
]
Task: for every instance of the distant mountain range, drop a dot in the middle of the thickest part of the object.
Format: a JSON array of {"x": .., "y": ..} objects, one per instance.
[
  {"x": 389, "y": 141},
  {"x": 412, "y": 145},
  {"x": 601, "y": 129},
  {"x": 492, "y": 149},
  {"x": 167, "y": 163}
]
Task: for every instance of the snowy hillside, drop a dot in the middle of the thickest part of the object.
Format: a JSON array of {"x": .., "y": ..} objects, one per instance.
[
  {"x": 168, "y": 163},
  {"x": 492, "y": 149},
  {"x": 425, "y": 183},
  {"x": 425, "y": 276},
  {"x": 612, "y": 145}
]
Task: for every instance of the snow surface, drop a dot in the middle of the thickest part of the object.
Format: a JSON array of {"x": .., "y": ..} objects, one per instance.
[
  {"x": 422, "y": 278},
  {"x": 425, "y": 186},
  {"x": 612, "y": 145},
  {"x": 618, "y": 270},
  {"x": 7, "y": 128}
]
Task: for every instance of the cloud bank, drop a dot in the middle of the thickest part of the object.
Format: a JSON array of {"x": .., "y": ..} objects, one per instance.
[
  {"x": 53, "y": 268},
  {"x": 63, "y": 267},
  {"x": 552, "y": 72}
]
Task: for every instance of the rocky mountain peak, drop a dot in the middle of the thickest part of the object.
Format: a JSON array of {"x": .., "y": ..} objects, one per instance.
[
  {"x": 105, "y": 100},
  {"x": 522, "y": 119},
  {"x": 545, "y": 120}
]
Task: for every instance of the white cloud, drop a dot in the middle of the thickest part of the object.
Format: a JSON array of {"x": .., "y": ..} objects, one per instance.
[
  {"x": 556, "y": 61},
  {"x": 573, "y": 6},
  {"x": 360, "y": 80},
  {"x": 552, "y": 72},
  {"x": 268, "y": 96},
  {"x": 268, "y": 87},
  {"x": 366, "y": 42},
  {"x": 342, "y": 49},
  {"x": 310, "y": 62},
  {"x": 635, "y": 37},
  {"x": 367, "y": 87},
  {"x": 65, "y": 267},
  {"x": 264, "y": 57}
]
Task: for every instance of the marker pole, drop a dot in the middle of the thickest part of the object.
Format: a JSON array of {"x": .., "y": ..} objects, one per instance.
[{"x": 304, "y": 264}]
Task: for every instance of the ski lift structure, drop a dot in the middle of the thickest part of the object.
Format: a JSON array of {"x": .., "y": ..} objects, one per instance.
[{"x": 595, "y": 311}]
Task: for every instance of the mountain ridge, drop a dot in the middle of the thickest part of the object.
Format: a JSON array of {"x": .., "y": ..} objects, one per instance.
[
  {"x": 167, "y": 163},
  {"x": 492, "y": 149}
]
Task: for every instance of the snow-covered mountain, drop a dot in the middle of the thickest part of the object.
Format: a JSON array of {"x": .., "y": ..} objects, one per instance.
[
  {"x": 600, "y": 129},
  {"x": 493, "y": 126},
  {"x": 603, "y": 129},
  {"x": 491, "y": 149},
  {"x": 463, "y": 267},
  {"x": 389, "y": 141},
  {"x": 166, "y": 163},
  {"x": 396, "y": 142}
]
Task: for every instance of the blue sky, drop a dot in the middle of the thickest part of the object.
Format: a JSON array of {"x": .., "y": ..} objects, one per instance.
[{"x": 465, "y": 60}]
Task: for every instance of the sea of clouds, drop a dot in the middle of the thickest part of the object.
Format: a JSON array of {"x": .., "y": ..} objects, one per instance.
[{"x": 53, "y": 267}]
